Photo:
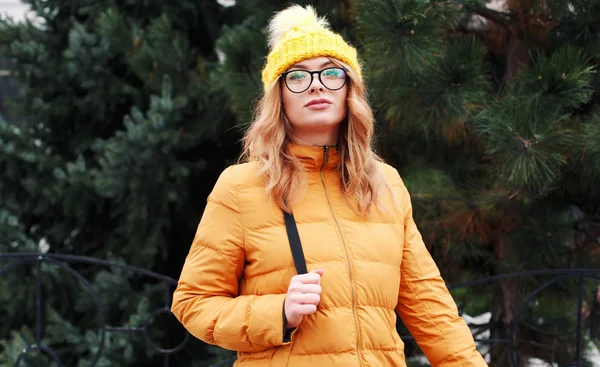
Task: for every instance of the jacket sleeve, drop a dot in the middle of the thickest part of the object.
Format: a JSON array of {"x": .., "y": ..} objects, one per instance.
[
  {"x": 206, "y": 300},
  {"x": 426, "y": 306}
]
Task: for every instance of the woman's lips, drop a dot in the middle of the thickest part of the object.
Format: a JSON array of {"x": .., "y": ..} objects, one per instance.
[{"x": 318, "y": 104}]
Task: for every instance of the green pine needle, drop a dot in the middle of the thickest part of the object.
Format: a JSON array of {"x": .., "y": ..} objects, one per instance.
[
  {"x": 579, "y": 24},
  {"x": 456, "y": 84},
  {"x": 591, "y": 139},
  {"x": 426, "y": 181},
  {"x": 114, "y": 30},
  {"x": 409, "y": 31},
  {"x": 238, "y": 74},
  {"x": 561, "y": 79},
  {"x": 527, "y": 143},
  {"x": 440, "y": 97}
]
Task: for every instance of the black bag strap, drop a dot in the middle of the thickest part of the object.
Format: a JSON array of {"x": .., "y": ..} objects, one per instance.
[{"x": 295, "y": 244}]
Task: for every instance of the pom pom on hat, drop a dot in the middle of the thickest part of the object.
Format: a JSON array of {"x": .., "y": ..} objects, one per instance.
[
  {"x": 297, "y": 33},
  {"x": 293, "y": 18}
]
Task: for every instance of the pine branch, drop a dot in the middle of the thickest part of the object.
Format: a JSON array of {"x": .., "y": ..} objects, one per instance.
[
  {"x": 500, "y": 18},
  {"x": 529, "y": 139}
]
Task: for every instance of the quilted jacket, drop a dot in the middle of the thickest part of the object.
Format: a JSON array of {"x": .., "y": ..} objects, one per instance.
[{"x": 233, "y": 284}]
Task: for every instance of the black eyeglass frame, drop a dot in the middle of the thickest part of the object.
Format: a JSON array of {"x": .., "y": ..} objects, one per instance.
[{"x": 283, "y": 75}]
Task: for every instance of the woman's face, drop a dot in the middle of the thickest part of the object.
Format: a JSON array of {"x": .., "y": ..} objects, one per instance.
[{"x": 314, "y": 109}]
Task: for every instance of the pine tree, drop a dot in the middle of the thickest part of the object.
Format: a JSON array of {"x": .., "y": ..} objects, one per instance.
[
  {"x": 118, "y": 138},
  {"x": 492, "y": 117}
]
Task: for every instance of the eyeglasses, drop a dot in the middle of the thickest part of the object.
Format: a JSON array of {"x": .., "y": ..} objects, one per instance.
[{"x": 298, "y": 81}]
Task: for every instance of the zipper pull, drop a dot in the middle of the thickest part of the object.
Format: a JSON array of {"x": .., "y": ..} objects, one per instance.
[{"x": 326, "y": 154}]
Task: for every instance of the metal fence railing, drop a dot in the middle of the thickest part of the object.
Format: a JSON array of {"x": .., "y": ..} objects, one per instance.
[{"x": 66, "y": 263}]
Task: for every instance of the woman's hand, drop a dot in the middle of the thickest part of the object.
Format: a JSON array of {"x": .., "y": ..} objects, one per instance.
[{"x": 303, "y": 296}]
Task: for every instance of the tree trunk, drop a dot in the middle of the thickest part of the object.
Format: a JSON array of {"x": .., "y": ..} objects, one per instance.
[
  {"x": 503, "y": 313},
  {"x": 505, "y": 300},
  {"x": 517, "y": 56}
]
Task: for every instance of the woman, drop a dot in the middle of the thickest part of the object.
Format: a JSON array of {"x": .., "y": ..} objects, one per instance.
[{"x": 309, "y": 153}]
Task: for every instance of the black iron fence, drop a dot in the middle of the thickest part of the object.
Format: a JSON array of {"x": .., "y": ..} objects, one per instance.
[{"x": 36, "y": 261}]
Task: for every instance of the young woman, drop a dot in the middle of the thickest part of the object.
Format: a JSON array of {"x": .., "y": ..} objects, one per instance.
[{"x": 309, "y": 153}]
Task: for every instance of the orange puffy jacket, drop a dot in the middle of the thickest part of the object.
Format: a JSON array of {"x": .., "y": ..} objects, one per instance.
[{"x": 235, "y": 278}]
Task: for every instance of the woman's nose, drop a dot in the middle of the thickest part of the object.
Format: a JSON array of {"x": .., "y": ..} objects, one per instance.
[{"x": 316, "y": 84}]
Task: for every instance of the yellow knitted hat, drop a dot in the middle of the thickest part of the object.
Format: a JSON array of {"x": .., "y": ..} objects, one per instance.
[{"x": 297, "y": 34}]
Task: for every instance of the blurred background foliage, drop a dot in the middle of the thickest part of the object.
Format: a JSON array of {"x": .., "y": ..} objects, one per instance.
[{"x": 122, "y": 113}]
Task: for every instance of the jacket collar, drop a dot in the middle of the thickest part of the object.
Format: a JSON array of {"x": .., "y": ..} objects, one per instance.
[{"x": 315, "y": 157}]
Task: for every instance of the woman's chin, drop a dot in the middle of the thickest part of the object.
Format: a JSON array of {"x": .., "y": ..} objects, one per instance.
[{"x": 316, "y": 122}]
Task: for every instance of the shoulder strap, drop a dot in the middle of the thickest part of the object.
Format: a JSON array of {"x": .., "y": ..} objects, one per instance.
[{"x": 295, "y": 244}]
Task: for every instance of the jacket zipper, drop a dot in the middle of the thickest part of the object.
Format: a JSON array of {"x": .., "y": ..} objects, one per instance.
[{"x": 325, "y": 159}]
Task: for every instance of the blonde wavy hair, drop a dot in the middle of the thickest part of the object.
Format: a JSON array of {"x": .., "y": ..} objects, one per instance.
[{"x": 267, "y": 142}]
